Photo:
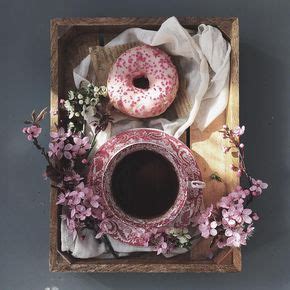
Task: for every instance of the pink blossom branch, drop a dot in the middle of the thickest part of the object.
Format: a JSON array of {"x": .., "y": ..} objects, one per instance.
[
  {"x": 230, "y": 222},
  {"x": 42, "y": 151},
  {"x": 76, "y": 199}
]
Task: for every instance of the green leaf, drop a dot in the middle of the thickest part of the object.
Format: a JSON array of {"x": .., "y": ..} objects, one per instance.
[{"x": 214, "y": 176}]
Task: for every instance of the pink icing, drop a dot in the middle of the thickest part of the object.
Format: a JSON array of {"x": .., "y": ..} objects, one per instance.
[{"x": 148, "y": 62}]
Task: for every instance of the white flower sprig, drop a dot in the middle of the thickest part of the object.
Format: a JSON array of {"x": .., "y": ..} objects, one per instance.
[{"x": 80, "y": 101}]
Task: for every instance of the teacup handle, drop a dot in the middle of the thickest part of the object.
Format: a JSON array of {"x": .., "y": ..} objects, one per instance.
[{"x": 196, "y": 184}]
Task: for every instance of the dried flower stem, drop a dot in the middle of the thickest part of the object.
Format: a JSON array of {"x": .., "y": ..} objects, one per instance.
[
  {"x": 90, "y": 223},
  {"x": 42, "y": 151},
  {"x": 109, "y": 245}
]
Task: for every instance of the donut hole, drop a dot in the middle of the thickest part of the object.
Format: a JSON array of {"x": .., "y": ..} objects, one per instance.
[{"x": 141, "y": 82}]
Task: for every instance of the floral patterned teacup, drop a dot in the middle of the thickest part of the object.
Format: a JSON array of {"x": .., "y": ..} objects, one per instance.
[{"x": 145, "y": 184}]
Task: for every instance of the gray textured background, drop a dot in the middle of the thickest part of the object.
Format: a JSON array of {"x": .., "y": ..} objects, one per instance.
[{"x": 265, "y": 86}]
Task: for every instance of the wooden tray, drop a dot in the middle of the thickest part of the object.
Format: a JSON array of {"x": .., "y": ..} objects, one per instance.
[{"x": 70, "y": 39}]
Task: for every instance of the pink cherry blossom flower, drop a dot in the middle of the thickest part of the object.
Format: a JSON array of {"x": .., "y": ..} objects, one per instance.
[
  {"x": 235, "y": 197},
  {"x": 228, "y": 201},
  {"x": 161, "y": 245},
  {"x": 255, "y": 217},
  {"x": 75, "y": 197},
  {"x": 208, "y": 229},
  {"x": 234, "y": 240},
  {"x": 32, "y": 132},
  {"x": 226, "y": 149},
  {"x": 78, "y": 194},
  {"x": 56, "y": 150},
  {"x": 238, "y": 237},
  {"x": 82, "y": 188},
  {"x": 60, "y": 135},
  {"x": 94, "y": 201},
  {"x": 204, "y": 229},
  {"x": 239, "y": 131},
  {"x": 72, "y": 176},
  {"x": 162, "y": 248},
  {"x": 81, "y": 212},
  {"x": 250, "y": 230},
  {"x": 97, "y": 213},
  {"x": 257, "y": 187},
  {"x": 228, "y": 217},
  {"x": 206, "y": 226},
  {"x": 240, "y": 193},
  {"x": 246, "y": 215},
  {"x": 62, "y": 198},
  {"x": 67, "y": 151},
  {"x": 225, "y": 202},
  {"x": 84, "y": 196},
  {"x": 81, "y": 145}
]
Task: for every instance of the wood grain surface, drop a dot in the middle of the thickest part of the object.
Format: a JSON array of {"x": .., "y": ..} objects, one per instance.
[{"x": 70, "y": 42}]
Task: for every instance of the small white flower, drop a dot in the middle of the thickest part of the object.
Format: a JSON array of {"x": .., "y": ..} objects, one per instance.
[
  {"x": 71, "y": 125},
  {"x": 182, "y": 240},
  {"x": 83, "y": 113},
  {"x": 71, "y": 95}
]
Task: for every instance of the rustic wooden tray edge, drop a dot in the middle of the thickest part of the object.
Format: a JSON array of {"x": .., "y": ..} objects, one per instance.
[{"x": 58, "y": 261}]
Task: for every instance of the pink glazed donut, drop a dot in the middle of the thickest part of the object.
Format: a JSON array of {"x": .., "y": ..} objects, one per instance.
[{"x": 143, "y": 82}]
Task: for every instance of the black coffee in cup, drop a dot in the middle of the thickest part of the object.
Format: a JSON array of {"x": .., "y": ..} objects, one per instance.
[{"x": 144, "y": 184}]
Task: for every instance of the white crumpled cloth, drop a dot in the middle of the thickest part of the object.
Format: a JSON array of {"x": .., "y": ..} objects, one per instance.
[{"x": 204, "y": 61}]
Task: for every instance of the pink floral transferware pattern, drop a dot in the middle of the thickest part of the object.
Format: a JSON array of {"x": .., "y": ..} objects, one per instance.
[{"x": 135, "y": 231}]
